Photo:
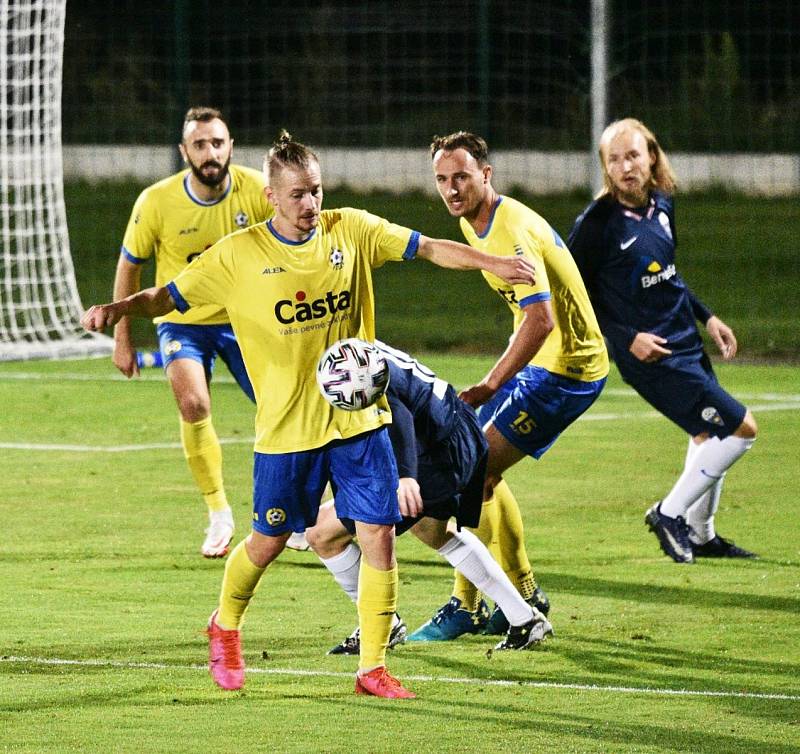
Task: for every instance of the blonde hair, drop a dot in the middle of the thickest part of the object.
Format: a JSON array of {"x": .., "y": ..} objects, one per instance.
[
  {"x": 662, "y": 176},
  {"x": 286, "y": 152}
]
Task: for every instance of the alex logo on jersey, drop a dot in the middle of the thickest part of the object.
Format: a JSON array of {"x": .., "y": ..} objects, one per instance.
[{"x": 302, "y": 310}]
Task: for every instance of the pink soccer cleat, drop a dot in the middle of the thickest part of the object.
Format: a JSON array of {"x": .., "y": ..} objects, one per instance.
[
  {"x": 378, "y": 682},
  {"x": 225, "y": 662}
]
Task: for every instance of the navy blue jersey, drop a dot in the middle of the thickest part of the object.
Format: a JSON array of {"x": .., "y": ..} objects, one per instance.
[
  {"x": 423, "y": 408},
  {"x": 627, "y": 260},
  {"x": 437, "y": 440}
]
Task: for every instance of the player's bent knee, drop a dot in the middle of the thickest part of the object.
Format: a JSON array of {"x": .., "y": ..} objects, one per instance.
[
  {"x": 377, "y": 544},
  {"x": 262, "y": 549},
  {"x": 432, "y": 532},
  {"x": 748, "y": 428},
  {"x": 193, "y": 407}
]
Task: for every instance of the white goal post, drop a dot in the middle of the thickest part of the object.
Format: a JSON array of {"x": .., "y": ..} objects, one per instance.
[{"x": 39, "y": 302}]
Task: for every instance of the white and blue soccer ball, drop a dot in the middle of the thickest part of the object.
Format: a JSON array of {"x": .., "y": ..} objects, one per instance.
[{"x": 352, "y": 374}]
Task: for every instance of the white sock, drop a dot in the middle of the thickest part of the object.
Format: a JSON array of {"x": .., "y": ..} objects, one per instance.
[
  {"x": 469, "y": 556},
  {"x": 700, "y": 516},
  {"x": 344, "y": 568},
  {"x": 708, "y": 466}
]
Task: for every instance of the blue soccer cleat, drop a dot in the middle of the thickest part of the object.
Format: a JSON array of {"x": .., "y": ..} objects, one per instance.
[
  {"x": 672, "y": 533},
  {"x": 498, "y": 623},
  {"x": 719, "y": 547},
  {"x": 451, "y": 621}
]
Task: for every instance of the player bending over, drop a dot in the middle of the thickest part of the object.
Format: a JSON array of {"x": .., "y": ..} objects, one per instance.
[{"x": 441, "y": 456}]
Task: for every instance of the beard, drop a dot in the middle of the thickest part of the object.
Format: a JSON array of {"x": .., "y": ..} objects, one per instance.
[{"x": 212, "y": 180}]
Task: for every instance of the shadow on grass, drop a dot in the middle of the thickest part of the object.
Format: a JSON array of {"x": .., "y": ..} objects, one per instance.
[
  {"x": 622, "y": 664},
  {"x": 520, "y": 722},
  {"x": 676, "y": 596}
]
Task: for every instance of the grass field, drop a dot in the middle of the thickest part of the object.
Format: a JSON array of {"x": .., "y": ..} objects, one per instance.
[
  {"x": 738, "y": 253},
  {"x": 104, "y": 596}
]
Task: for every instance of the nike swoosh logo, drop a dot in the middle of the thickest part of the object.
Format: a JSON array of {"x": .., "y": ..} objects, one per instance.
[
  {"x": 675, "y": 544},
  {"x": 625, "y": 244}
]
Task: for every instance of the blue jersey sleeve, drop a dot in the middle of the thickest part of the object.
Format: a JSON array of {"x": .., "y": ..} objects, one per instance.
[{"x": 401, "y": 433}]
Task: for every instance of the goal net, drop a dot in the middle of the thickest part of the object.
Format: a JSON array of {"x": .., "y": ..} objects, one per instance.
[{"x": 39, "y": 302}]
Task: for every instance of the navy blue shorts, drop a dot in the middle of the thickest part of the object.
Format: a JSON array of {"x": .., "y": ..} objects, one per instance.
[
  {"x": 690, "y": 396},
  {"x": 535, "y": 406},
  {"x": 451, "y": 475},
  {"x": 204, "y": 343},
  {"x": 288, "y": 487}
]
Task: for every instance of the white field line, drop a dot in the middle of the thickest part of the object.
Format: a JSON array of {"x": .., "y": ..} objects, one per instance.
[
  {"x": 75, "y": 448},
  {"x": 771, "y": 402},
  {"x": 410, "y": 678},
  {"x": 157, "y": 375},
  {"x": 69, "y": 448}
]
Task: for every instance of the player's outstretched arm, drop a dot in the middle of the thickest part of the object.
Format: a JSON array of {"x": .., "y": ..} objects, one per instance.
[
  {"x": 525, "y": 343},
  {"x": 459, "y": 256},
  {"x": 151, "y": 302},
  {"x": 723, "y": 336}
]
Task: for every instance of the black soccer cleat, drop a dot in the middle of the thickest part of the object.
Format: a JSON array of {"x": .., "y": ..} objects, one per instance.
[
  {"x": 672, "y": 533},
  {"x": 498, "y": 623},
  {"x": 352, "y": 644},
  {"x": 718, "y": 547},
  {"x": 529, "y": 635}
]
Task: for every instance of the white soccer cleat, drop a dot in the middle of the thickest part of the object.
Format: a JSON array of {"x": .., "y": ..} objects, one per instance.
[
  {"x": 218, "y": 535},
  {"x": 298, "y": 541}
]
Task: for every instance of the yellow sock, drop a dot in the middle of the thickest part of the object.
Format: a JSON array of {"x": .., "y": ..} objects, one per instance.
[
  {"x": 487, "y": 532},
  {"x": 511, "y": 537},
  {"x": 377, "y": 602},
  {"x": 238, "y": 586},
  {"x": 204, "y": 456}
]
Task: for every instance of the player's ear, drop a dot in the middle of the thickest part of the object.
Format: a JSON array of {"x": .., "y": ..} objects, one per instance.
[
  {"x": 182, "y": 150},
  {"x": 487, "y": 173}
]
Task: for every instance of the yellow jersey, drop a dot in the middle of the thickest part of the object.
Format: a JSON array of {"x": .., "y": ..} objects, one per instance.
[
  {"x": 575, "y": 347},
  {"x": 288, "y": 301},
  {"x": 168, "y": 220}
]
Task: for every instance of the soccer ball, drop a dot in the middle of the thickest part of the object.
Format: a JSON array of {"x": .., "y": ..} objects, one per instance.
[{"x": 352, "y": 374}]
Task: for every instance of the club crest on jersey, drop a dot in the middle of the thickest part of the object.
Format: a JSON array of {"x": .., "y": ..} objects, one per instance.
[
  {"x": 336, "y": 258},
  {"x": 663, "y": 220},
  {"x": 241, "y": 219},
  {"x": 275, "y": 516},
  {"x": 172, "y": 347},
  {"x": 711, "y": 415}
]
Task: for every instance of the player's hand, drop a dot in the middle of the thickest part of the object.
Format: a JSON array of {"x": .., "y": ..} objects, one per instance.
[
  {"x": 99, "y": 317},
  {"x": 723, "y": 336},
  {"x": 477, "y": 395},
  {"x": 649, "y": 347},
  {"x": 514, "y": 270},
  {"x": 409, "y": 498},
  {"x": 124, "y": 358}
]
